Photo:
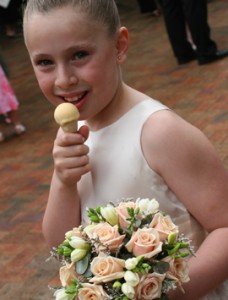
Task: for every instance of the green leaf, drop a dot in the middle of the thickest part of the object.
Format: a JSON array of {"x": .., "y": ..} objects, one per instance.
[
  {"x": 67, "y": 252},
  {"x": 164, "y": 297},
  {"x": 161, "y": 267},
  {"x": 88, "y": 273},
  {"x": 82, "y": 265},
  {"x": 137, "y": 223},
  {"x": 95, "y": 219}
]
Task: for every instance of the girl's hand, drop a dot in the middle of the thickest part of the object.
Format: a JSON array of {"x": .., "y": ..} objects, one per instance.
[{"x": 70, "y": 155}]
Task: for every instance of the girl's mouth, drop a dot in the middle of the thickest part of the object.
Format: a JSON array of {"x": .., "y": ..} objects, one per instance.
[{"x": 75, "y": 99}]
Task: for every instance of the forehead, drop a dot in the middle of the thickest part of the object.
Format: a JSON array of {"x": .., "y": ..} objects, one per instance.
[{"x": 62, "y": 21}]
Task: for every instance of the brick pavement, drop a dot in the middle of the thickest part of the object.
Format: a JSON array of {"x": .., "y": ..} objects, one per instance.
[{"x": 197, "y": 93}]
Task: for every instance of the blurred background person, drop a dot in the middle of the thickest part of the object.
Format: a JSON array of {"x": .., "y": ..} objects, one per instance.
[
  {"x": 149, "y": 6},
  {"x": 9, "y": 104},
  {"x": 191, "y": 13},
  {"x": 10, "y": 18}
]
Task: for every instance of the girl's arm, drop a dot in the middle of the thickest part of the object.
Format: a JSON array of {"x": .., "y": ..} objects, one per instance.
[
  {"x": 188, "y": 163},
  {"x": 63, "y": 208}
]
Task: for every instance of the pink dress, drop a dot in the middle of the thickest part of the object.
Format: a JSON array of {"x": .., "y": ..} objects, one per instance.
[{"x": 8, "y": 99}]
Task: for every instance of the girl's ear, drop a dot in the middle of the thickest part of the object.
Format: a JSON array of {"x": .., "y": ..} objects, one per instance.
[{"x": 122, "y": 44}]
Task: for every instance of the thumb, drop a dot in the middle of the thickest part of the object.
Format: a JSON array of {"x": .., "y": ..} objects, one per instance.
[{"x": 84, "y": 131}]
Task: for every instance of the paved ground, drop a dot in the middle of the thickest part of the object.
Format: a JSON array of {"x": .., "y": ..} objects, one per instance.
[{"x": 197, "y": 93}]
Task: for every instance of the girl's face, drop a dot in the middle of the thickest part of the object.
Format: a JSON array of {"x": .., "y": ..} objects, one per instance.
[{"x": 74, "y": 60}]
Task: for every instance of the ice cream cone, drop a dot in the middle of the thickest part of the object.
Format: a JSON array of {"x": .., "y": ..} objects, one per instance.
[{"x": 67, "y": 115}]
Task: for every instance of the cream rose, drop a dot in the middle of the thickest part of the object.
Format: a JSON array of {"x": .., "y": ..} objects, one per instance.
[
  {"x": 164, "y": 225},
  {"x": 67, "y": 273},
  {"x": 107, "y": 234},
  {"x": 92, "y": 291},
  {"x": 106, "y": 268},
  {"x": 122, "y": 213},
  {"x": 145, "y": 242},
  {"x": 178, "y": 270},
  {"x": 150, "y": 286}
]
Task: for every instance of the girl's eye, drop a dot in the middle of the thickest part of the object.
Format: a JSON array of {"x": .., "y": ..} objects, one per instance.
[
  {"x": 44, "y": 62},
  {"x": 80, "y": 54}
]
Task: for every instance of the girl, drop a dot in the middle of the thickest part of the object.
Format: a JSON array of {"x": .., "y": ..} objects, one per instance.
[
  {"x": 9, "y": 105},
  {"x": 127, "y": 145}
]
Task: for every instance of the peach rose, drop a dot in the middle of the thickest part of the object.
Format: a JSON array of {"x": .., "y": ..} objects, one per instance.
[
  {"x": 106, "y": 268},
  {"x": 150, "y": 286},
  {"x": 178, "y": 270},
  {"x": 164, "y": 225},
  {"x": 145, "y": 242},
  {"x": 67, "y": 273},
  {"x": 107, "y": 234},
  {"x": 92, "y": 291},
  {"x": 122, "y": 213}
]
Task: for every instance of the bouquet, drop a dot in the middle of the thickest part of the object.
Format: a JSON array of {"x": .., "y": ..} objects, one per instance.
[{"x": 131, "y": 250}]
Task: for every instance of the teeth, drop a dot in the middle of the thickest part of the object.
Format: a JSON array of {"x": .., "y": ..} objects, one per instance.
[{"x": 74, "y": 98}]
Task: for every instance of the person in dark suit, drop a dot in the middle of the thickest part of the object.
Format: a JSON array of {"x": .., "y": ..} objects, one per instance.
[
  {"x": 193, "y": 13},
  {"x": 10, "y": 17},
  {"x": 149, "y": 6}
]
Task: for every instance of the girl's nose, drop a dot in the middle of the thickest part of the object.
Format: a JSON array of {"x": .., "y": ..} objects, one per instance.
[{"x": 65, "y": 78}]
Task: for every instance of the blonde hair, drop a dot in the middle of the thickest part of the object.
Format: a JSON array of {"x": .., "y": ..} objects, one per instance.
[{"x": 103, "y": 11}]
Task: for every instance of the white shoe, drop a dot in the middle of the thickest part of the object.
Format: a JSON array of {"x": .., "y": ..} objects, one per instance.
[{"x": 19, "y": 129}]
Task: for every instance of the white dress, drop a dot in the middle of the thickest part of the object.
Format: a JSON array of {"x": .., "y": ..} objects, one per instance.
[{"x": 121, "y": 171}]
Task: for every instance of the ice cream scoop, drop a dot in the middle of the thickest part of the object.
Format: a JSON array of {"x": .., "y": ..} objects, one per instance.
[{"x": 66, "y": 115}]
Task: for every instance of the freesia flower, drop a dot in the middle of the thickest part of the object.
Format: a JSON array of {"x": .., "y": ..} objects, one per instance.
[
  {"x": 78, "y": 254},
  {"x": 61, "y": 295},
  {"x": 109, "y": 214},
  {"x": 74, "y": 232},
  {"x": 131, "y": 263},
  {"x": 147, "y": 206},
  {"x": 131, "y": 278},
  {"x": 128, "y": 290},
  {"x": 80, "y": 243}
]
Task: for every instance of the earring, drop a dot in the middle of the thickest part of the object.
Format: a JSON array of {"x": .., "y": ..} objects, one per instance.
[{"x": 119, "y": 57}]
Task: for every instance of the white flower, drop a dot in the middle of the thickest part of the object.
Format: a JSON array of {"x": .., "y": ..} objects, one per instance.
[
  {"x": 147, "y": 206},
  {"x": 131, "y": 263},
  {"x": 61, "y": 295},
  {"x": 131, "y": 278},
  {"x": 128, "y": 290},
  {"x": 109, "y": 214},
  {"x": 77, "y": 242},
  {"x": 78, "y": 254}
]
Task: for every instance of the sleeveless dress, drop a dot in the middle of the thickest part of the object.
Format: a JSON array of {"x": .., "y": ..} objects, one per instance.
[
  {"x": 121, "y": 171},
  {"x": 8, "y": 100}
]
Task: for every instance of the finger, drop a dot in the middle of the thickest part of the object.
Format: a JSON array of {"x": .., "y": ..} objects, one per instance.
[{"x": 84, "y": 131}]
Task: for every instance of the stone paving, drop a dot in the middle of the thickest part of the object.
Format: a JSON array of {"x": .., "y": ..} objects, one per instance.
[{"x": 197, "y": 93}]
